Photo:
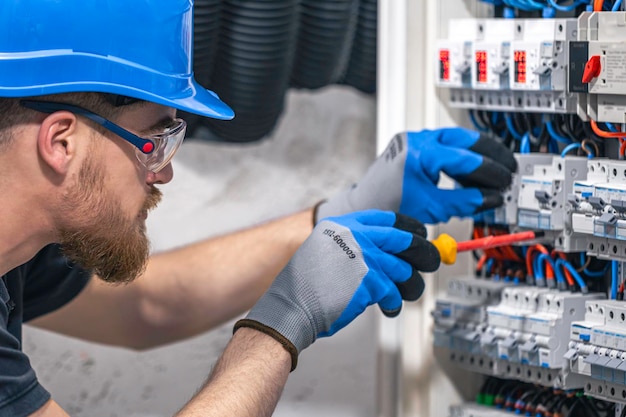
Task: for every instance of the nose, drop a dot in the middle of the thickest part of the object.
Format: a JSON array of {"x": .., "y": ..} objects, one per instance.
[{"x": 162, "y": 177}]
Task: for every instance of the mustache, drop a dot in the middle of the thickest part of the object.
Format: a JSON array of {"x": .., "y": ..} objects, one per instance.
[{"x": 153, "y": 199}]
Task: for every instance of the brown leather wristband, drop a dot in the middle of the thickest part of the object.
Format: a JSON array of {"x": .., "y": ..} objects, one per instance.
[
  {"x": 315, "y": 208},
  {"x": 286, "y": 343}
]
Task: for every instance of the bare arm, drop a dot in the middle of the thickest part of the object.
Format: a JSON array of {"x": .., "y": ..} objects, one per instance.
[
  {"x": 185, "y": 291},
  {"x": 246, "y": 382},
  {"x": 50, "y": 409}
]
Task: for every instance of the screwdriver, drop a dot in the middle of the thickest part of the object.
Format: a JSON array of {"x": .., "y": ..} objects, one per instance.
[{"x": 448, "y": 247}]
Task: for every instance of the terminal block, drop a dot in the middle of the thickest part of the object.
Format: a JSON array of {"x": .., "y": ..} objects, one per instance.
[
  {"x": 598, "y": 206},
  {"x": 460, "y": 319},
  {"x": 597, "y": 349},
  {"x": 461, "y": 314},
  {"x": 527, "y": 334}
]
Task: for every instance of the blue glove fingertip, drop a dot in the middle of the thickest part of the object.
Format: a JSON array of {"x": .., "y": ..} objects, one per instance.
[{"x": 458, "y": 137}]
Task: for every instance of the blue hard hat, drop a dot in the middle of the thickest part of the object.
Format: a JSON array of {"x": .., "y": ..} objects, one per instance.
[{"x": 136, "y": 48}]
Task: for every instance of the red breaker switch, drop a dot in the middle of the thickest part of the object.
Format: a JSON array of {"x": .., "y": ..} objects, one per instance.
[{"x": 593, "y": 68}]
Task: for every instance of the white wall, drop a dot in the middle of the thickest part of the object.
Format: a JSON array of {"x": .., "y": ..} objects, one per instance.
[
  {"x": 409, "y": 100},
  {"x": 324, "y": 142}
]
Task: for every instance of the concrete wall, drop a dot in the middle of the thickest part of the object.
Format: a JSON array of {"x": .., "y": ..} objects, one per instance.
[{"x": 324, "y": 142}]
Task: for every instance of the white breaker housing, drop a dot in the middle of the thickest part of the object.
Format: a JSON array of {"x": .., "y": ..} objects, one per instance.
[{"x": 507, "y": 64}]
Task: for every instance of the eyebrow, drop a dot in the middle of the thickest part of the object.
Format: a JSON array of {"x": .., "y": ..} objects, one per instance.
[{"x": 159, "y": 126}]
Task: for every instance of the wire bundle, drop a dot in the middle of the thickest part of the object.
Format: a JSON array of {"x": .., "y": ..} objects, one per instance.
[{"x": 529, "y": 399}]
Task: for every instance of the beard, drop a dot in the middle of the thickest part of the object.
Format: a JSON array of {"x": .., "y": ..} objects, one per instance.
[{"x": 97, "y": 235}]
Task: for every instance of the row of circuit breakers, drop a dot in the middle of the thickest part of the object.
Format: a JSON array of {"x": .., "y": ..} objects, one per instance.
[
  {"x": 540, "y": 335},
  {"x": 529, "y": 333},
  {"x": 572, "y": 65}
]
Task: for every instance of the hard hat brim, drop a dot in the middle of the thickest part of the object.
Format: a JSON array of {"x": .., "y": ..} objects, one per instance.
[{"x": 195, "y": 99}]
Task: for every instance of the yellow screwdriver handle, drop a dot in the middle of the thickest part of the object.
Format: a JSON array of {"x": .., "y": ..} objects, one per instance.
[{"x": 446, "y": 245}]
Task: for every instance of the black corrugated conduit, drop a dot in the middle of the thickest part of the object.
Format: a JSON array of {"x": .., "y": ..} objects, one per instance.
[
  {"x": 361, "y": 72},
  {"x": 327, "y": 30},
  {"x": 264, "y": 47},
  {"x": 253, "y": 65}
]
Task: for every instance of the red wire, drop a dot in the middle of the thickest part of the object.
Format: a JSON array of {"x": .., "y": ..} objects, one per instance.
[
  {"x": 604, "y": 134},
  {"x": 611, "y": 135},
  {"x": 529, "y": 260},
  {"x": 542, "y": 249}
]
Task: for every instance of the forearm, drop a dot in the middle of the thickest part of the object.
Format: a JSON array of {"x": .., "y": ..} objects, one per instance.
[
  {"x": 247, "y": 380},
  {"x": 196, "y": 288}
]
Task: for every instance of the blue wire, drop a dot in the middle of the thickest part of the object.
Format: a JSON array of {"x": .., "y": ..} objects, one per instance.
[
  {"x": 614, "y": 267},
  {"x": 553, "y": 147},
  {"x": 489, "y": 265},
  {"x": 569, "y": 147},
  {"x": 527, "y": 5},
  {"x": 555, "y": 135},
  {"x": 567, "y": 8},
  {"x": 477, "y": 125},
  {"x": 548, "y": 12},
  {"x": 509, "y": 125},
  {"x": 616, "y": 5},
  {"x": 579, "y": 280},
  {"x": 525, "y": 146},
  {"x": 610, "y": 126},
  {"x": 508, "y": 12},
  {"x": 544, "y": 257},
  {"x": 558, "y": 271},
  {"x": 537, "y": 269},
  {"x": 593, "y": 274},
  {"x": 495, "y": 116},
  {"x": 596, "y": 274}
]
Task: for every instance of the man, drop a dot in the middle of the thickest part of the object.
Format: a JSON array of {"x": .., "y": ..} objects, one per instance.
[{"x": 88, "y": 97}]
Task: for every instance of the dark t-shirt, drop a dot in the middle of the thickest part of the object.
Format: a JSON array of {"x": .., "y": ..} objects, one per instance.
[{"x": 42, "y": 285}]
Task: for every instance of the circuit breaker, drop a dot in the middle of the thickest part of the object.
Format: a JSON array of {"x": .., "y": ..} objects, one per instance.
[{"x": 508, "y": 64}]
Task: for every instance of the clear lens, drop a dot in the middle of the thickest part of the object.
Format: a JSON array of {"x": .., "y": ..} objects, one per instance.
[{"x": 166, "y": 145}]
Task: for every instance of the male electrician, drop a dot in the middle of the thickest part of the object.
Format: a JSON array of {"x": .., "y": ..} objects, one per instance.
[{"x": 88, "y": 127}]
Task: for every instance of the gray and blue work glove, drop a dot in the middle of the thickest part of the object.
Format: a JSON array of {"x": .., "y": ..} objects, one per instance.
[
  {"x": 404, "y": 178},
  {"x": 347, "y": 264}
]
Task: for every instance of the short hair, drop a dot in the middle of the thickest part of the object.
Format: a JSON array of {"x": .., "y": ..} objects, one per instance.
[{"x": 12, "y": 114}]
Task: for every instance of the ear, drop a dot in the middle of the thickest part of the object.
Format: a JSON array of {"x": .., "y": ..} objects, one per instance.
[{"x": 56, "y": 140}]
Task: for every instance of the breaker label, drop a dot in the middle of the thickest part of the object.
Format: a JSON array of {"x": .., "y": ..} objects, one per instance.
[
  {"x": 520, "y": 66},
  {"x": 615, "y": 65},
  {"x": 444, "y": 64},
  {"x": 481, "y": 67}
]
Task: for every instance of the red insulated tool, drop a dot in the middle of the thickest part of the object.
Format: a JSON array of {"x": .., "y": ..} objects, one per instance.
[{"x": 448, "y": 247}]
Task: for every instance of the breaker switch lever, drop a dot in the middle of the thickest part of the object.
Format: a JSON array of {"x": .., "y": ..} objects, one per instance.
[{"x": 593, "y": 68}]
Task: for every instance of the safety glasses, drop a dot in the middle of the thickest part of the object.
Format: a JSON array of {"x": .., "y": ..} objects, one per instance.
[{"x": 154, "y": 151}]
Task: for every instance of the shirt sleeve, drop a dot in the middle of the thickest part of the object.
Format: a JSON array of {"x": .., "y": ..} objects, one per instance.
[
  {"x": 42, "y": 285},
  {"x": 20, "y": 392}
]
